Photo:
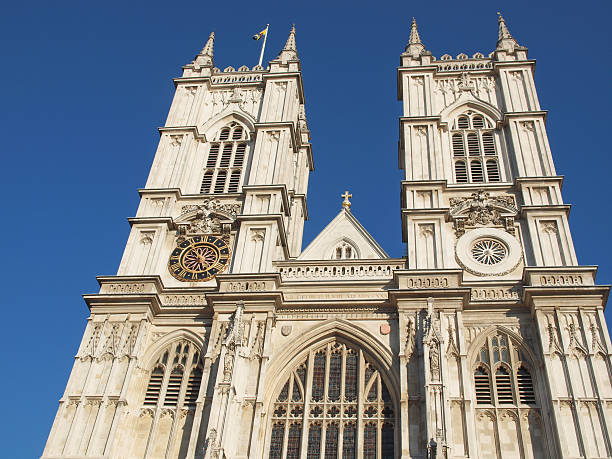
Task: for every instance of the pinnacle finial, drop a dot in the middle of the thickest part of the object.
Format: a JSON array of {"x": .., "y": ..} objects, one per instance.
[
  {"x": 289, "y": 52},
  {"x": 414, "y": 34},
  {"x": 290, "y": 45},
  {"x": 415, "y": 46},
  {"x": 209, "y": 46},
  {"x": 504, "y": 39}
]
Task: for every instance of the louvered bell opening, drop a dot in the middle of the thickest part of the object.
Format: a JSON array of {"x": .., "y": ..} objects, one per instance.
[
  {"x": 504, "y": 387},
  {"x": 239, "y": 156},
  {"x": 220, "y": 183},
  {"x": 483, "y": 387},
  {"x": 493, "y": 171},
  {"x": 477, "y": 122},
  {"x": 226, "y": 155},
  {"x": 212, "y": 156},
  {"x": 234, "y": 182},
  {"x": 476, "y": 170},
  {"x": 225, "y": 133},
  {"x": 237, "y": 134},
  {"x": 461, "y": 172},
  {"x": 458, "y": 147},
  {"x": 488, "y": 144},
  {"x": 206, "y": 182},
  {"x": 174, "y": 387},
  {"x": 473, "y": 145},
  {"x": 154, "y": 387},
  {"x": 193, "y": 387},
  {"x": 525, "y": 386},
  {"x": 463, "y": 122}
]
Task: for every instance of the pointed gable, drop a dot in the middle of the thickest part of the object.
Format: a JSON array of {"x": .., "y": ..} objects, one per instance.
[{"x": 343, "y": 238}]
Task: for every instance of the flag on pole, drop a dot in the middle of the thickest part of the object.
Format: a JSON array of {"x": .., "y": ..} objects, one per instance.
[{"x": 263, "y": 33}]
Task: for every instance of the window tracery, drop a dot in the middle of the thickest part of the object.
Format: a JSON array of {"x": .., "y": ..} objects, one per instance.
[
  {"x": 501, "y": 375},
  {"x": 224, "y": 167},
  {"x": 322, "y": 404},
  {"x": 175, "y": 379},
  {"x": 474, "y": 151}
]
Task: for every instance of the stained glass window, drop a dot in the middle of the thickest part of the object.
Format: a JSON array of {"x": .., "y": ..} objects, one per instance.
[
  {"x": 333, "y": 412},
  {"x": 318, "y": 377},
  {"x": 276, "y": 441},
  {"x": 369, "y": 441},
  {"x": 331, "y": 441},
  {"x": 388, "y": 441},
  {"x": 348, "y": 441},
  {"x": 293, "y": 441},
  {"x": 350, "y": 377},
  {"x": 314, "y": 442},
  {"x": 335, "y": 368}
]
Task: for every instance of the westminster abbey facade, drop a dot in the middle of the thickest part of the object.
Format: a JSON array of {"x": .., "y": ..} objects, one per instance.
[{"x": 221, "y": 337}]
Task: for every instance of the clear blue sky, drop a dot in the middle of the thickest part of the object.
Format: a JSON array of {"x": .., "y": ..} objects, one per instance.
[{"x": 86, "y": 84}]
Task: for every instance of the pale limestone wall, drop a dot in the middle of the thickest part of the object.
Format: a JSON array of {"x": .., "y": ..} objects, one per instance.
[{"x": 422, "y": 325}]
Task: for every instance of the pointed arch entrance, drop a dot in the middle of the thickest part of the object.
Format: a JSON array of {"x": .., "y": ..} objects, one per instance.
[{"x": 335, "y": 400}]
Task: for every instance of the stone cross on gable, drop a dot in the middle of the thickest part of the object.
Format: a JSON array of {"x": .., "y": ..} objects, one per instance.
[{"x": 346, "y": 203}]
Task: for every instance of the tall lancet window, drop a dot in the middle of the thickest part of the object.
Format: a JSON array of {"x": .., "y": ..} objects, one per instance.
[
  {"x": 502, "y": 375},
  {"x": 174, "y": 381},
  {"x": 475, "y": 155},
  {"x": 334, "y": 400},
  {"x": 224, "y": 166}
]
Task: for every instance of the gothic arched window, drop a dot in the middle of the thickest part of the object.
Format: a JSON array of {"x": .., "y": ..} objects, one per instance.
[
  {"x": 321, "y": 404},
  {"x": 473, "y": 134},
  {"x": 344, "y": 251},
  {"x": 501, "y": 375},
  {"x": 175, "y": 379},
  {"x": 224, "y": 166}
]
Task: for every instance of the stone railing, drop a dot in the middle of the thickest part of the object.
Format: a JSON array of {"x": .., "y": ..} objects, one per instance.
[
  {"x": 338, "y": 270},
  {"x": 463, "y": 65}
]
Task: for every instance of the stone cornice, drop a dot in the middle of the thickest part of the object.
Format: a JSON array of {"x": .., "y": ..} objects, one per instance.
[
  {"x": 280, "y": 187},
  {"x": 563, "y": 208}
]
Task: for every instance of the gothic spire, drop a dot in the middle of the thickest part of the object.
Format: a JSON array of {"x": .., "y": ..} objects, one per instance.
[
  {"x": 289, "y": 52},
  {"x": 415, "y": 46},
  {"x": 208, "y": 47},
  {"x": 504, "y": 39},
  {"x": 205, "y": 58},
  {"x": 415, "y": 39}
]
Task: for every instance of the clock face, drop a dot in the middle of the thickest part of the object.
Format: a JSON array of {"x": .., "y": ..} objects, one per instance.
[{"x": 199, "y": 258}]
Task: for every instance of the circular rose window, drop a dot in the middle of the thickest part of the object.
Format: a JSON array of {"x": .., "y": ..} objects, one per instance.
[{"x": 489, "y": 251}]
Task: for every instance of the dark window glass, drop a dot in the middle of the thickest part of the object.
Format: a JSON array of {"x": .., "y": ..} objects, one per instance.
[
  {"x": 369, "y": 441},
  {"x": 293, "y": 440},
  {"x": 348, "y": 441},
  {"x": 335, "y": 370},
  {"x": 388, "y": 442},
  {"x": 276, "y": 441},
  {"x": 314, "y": 442},
  {"x": 331, "y": 442},
  {"x": 318, "y": 376},
  {"x": 350, "y": 377}
]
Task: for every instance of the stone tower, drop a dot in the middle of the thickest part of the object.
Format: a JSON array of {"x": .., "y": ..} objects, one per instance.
[{"x": 220, "y": 337}]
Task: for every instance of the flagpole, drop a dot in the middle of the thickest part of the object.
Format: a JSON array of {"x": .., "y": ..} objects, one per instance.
[{"x": 263, "y": 46}]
